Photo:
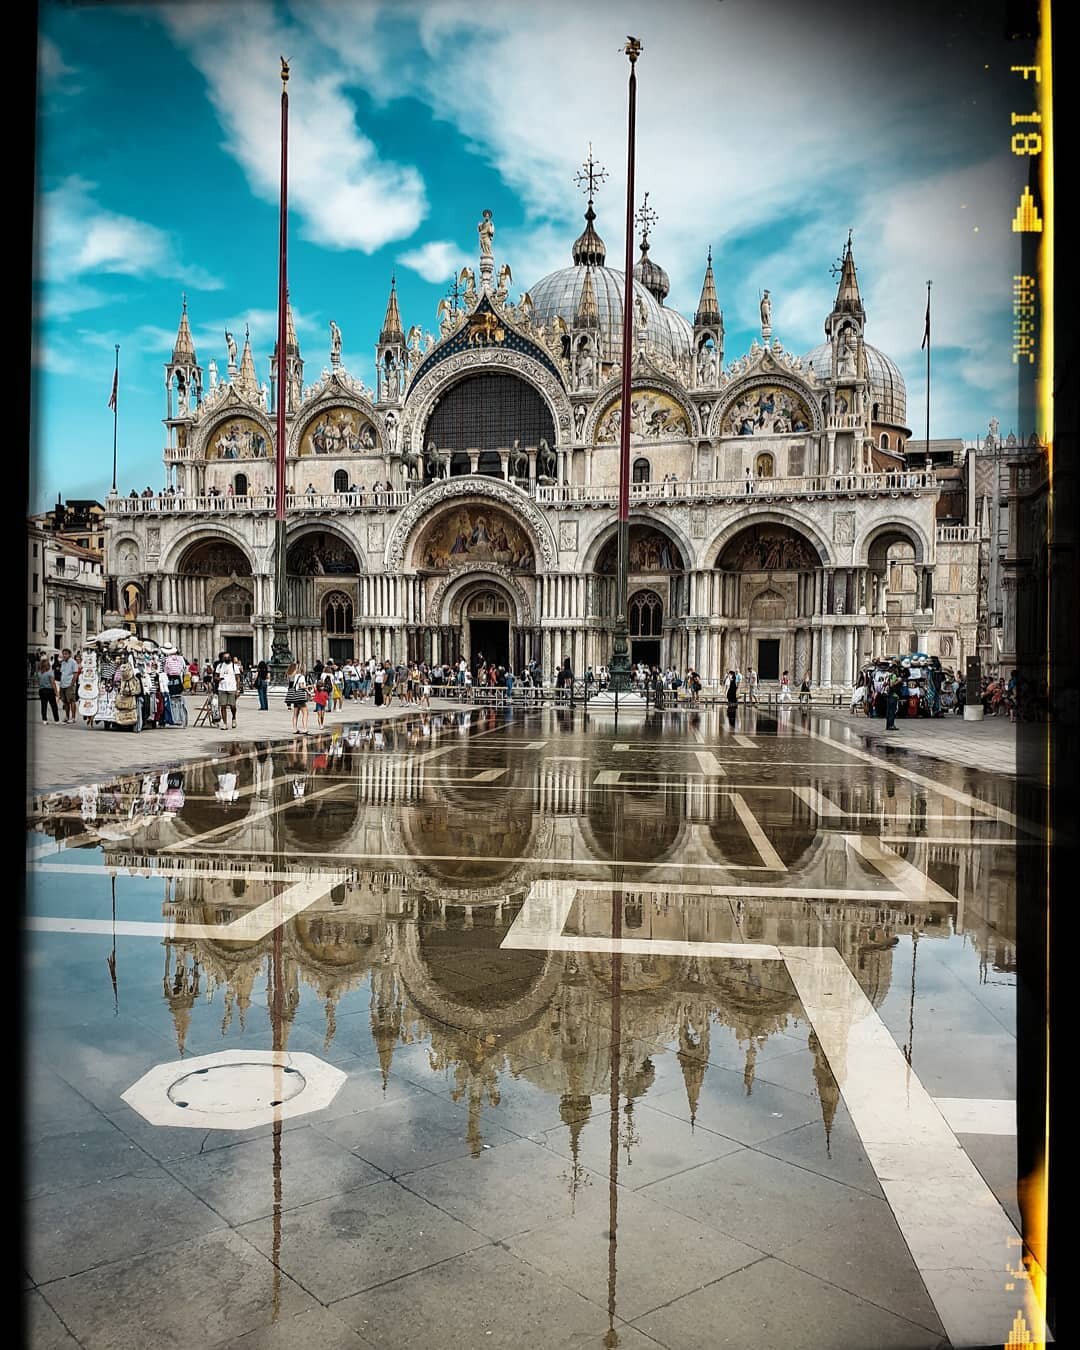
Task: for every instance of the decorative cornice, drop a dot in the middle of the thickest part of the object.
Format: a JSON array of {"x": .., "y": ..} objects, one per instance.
[{"x": 468, "y": 486}]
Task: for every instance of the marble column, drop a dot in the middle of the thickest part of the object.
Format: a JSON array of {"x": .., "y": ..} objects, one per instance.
[
  {"x": 826, "y": 656},
  {"x": 849, "y": 654}
]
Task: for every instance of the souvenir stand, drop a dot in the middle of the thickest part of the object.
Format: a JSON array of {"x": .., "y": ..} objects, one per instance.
[{"x": 131, "y": 683}]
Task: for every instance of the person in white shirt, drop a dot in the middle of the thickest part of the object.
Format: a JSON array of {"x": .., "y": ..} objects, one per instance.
[{"x": 227, "y": 688}]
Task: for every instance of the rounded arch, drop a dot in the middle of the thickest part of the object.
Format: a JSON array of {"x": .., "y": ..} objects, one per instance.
[
  {"x": 654, "y": 382},
  {"x": 310, "y": 530},
  {"x": 718, "y": 543},
  {"x": 434, "y": 383},
  {"x": 337, "y": 610},
  {"x": 205, "y": 533},
  {"x": 605, "y": 532},
  {"x": 214, "y": 557},
  {"x": 873, "y": 546},
  {"x": 125, "y": 554},
  {"x": 776, "y": 379},
  {"x": 488, "y": 410},
  {"x": 646, "y": 614},
  {"x": 234, "y": 409},
  {"x": 768, "y": 547},
  {"x": 519, "y": 503},
  {"x": 332, "y": 396},
  {"x": 458, "y": 589},
  {"x": 642, "y": 470}
]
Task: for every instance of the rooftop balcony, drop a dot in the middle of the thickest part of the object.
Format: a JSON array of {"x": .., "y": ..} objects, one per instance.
[{"x": 575, "y": 495}]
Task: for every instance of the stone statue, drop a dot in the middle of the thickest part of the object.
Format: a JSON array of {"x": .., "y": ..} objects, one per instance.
[
  {"x": 414, "y": 353},
  {"x": 585, "y": 364},
  {"x": 335, "y": 344},
  {"x": 181, "y": 396},
  {"x": 486, "y": 231},
  {"x": 264, "y": 394},
  {"x": 230, "y": 342},
  {"x": 995, "y": 427},
  {"x": 213, "y": 373},
  {"x": 766, "y": 311},
  {"x": 467, "y": 278},
  {"x": 845, "y": 367},
  {"x": 518, "y": 461},
  {"x": 546, "y": 462},
  {"x": 435, "y": 462},
  {"x": 412, "y": 464},
  {"x": 525, "y": 304},
  {"x": 391, "y": 431},
  {"x": 429, "y": 341},
  {"x": 580, "y": 414},
  {"x": 445, "y": 316},
  {"x": 505, "y": 280}
]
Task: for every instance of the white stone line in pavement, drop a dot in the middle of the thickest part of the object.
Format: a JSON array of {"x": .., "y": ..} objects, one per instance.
[
  {"x": 978, "y": 1115},
  {"x": 540, "y": 921},
  {"x": 710, "y": 765},
  {"x": 912, "y": 883},
  {"x": 758, "y": 837},
  {"x": 486, "y": 858},
  {"x": 960, "y": 1238},
  {"x": 817, "y": 801},
  {"x": 955, "y": 839},
  {"x": 158, "y": 869},
  {"x": 249, "y": 927},
  {"x": 943, "y": 789},
  {"x": 745, "y": 741}
]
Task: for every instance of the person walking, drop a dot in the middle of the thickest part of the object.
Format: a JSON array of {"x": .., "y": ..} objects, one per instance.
[
  {"x": 69, "y": 684},
  {"x": 892, "y": 698},
  {"x": 321, "y": 697},
  {"x": 785, "y": 688},
  {"x": 378, "y": 680},
  {"x": 48, "y": 688},
  {"x": 732, "y": 690},
  {"x": 262, "y": 685},
  {"x": 751, "y": 685},
  {"x": 337, "y": 690},
  {"x": 804, "y": 691},
  {"x": 226, "y": 689},
  {"x": 296, "y": 697}
]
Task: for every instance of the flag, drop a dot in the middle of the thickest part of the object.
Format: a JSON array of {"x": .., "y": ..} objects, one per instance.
[
  {"x": 926, "y": 332},
  {"x": 112, "y": 396}
]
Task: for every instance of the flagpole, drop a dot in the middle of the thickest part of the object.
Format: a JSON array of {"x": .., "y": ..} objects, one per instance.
[
  {"x": 620, "y": 650},
  {"x": 928, "y": 285},
  {"x": 116, "y": 383},
  {"x": 280, "y": 654}
]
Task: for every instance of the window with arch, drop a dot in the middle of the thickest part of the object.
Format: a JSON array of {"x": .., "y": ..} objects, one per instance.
[
  {"x": 884, "y": 441},
  {"x": 642, "y": 471},
  {"x": 764, "y": 466},
  {"x": 232, "y": 604},
  {"x": 338, "y": 613},
  {"x": 874, "y": 412},
  {"x": 341, "y": 481},
  {"x": 646, "y": 615},
  {"x": 240, "y": 484}
]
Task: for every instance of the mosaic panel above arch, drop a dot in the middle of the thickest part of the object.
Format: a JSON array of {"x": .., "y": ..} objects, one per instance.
[
  {"x": 650, "y": 551},
  {"x": 768, "y": 548},
  {"x": 475, "y": 533},
  {"x": 767, "y": 410},
  {"x": 338, "y": 430},
  {"x": 317, "y": 555},
  {"x": 654, "y": 415},
  {"x": 214, "y": 558},
  {"x": 238, "y": 438}
]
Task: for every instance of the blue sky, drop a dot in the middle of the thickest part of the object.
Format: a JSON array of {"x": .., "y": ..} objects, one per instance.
[{"x": 765, "y": 129}]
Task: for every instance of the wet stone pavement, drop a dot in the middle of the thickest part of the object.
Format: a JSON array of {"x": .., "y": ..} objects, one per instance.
[{"x": 540, "y": 1030}]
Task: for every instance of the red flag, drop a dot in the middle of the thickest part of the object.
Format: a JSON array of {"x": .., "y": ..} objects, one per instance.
[
  {"x": 112, "y": 396},
  {"x": 926, "y": 333}
]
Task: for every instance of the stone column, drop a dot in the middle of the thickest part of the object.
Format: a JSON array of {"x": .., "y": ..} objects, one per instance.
[
  {"x": 474, "y": 460},
  {"x": 849, "y": 653},
  {"x": 826, "y": 656}
]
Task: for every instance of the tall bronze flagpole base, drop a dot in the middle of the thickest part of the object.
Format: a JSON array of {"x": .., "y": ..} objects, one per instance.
[{"x": 281, "y": 656}]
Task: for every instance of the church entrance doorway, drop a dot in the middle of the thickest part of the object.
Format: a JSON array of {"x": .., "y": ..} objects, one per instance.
[
  {"x": 645, "y": 649},
  {"x": 490, "y": 638},
  {"x": 341, "y": 649},
  {"x": 239, "y": 645},
  {"x": 768, "y": 658}
]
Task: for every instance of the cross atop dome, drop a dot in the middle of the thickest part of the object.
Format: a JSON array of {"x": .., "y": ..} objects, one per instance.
[
  {"x": 646, "y": 218},
  {"x": 590, "y": 176},
  {"x": 589, "y": 249}
]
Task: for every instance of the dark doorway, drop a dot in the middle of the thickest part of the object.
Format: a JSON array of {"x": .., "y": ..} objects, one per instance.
[
  {"x": 490, "y": 637},
  {"x": 645, "y": 649},
  {"x": 768, "y": 658},
  {"x": 341, "y": 649},
  {"x": 243, "y": 647}
]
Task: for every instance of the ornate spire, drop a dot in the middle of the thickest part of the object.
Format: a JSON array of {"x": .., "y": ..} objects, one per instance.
[
  {"x": 184, "y": 346},
  {"x": 248, "y": 381},
  {"x": 589, "y": 249},
  {"x": 651, "y": 275},
  {"x": 708, "y": 311},
  {"x": 588, "y": 315},
  {"x": 292, "y": 344},
  {"x": 392, "y": 330},
  {"x": 848, "y": 299}
]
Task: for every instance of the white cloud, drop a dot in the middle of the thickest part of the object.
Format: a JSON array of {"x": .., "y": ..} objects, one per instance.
[
  {"x": 437, "y": 260},
  {"x": 345, "y": 195},
  {"x": 77, "y": 236},
  {"x": 52, "y": 68}
]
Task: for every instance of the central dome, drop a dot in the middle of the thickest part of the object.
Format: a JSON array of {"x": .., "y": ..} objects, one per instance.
[
  {"x": 559, "y": 293},
  {"x": 888, "y": 392}
]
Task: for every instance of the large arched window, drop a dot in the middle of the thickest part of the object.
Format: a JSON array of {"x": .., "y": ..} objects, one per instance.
[
  {"x": 489, "y": 412},
  {"x": 338, "y": 613},
  {"x": 646, "y": 615},
  {"x": 884, "y": 441},
  {"x": 240, "y": 485},
  {"x": 642, "y": 472},
  {"x": 341, "y": 481}
]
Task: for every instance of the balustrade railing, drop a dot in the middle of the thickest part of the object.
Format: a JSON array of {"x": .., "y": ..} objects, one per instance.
[
  {"x": 567, "y": 494},
  {"x": 957, "y": 534}
]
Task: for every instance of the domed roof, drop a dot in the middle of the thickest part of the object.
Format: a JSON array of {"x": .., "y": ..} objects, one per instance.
[
  {"x": 887, "y": 388},
  {"x": 682, "y": 333},
  {"x": 559, "y": 293},
  {"x": 651, "y": 274}
]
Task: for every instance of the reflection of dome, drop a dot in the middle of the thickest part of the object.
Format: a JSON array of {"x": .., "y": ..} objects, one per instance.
[{"x": 887, "y": 388}]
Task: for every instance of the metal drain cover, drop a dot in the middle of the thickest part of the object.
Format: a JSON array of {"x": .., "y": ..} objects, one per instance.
[{"x": 234, "y": 1089}]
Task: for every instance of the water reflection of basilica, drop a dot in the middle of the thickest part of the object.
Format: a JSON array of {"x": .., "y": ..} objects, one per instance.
[{"x": 425, "y": 878}]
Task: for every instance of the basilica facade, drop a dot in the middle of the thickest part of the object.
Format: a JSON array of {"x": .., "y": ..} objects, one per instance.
[{"x": 467, "y": 503}]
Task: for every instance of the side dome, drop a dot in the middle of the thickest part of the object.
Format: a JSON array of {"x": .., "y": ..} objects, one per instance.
[
  {"x": 887, "y": 388},
  {"x": 681, "y": 333},
  {"x": 559, "y": 294}
]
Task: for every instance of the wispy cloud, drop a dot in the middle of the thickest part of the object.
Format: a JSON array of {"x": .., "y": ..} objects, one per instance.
[
  {"x": 77, "y": 236},
  {"x": 53, "y": 70},
  {"x": 437, "y": 260},
  {"x": 346, "y": 195}
]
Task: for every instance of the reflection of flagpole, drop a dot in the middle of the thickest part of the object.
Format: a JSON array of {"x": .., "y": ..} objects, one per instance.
[{"x": 111, "y": 958}]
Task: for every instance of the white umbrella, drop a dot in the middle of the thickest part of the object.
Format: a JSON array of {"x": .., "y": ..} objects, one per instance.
[{"x": 112, "y": 635}]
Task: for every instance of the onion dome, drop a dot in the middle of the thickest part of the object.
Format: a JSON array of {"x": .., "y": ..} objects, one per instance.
[
  {"x": 651, "y": 274},
  {"x": 888, "y": 392},
  {"x": 589, "y": 249}
]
